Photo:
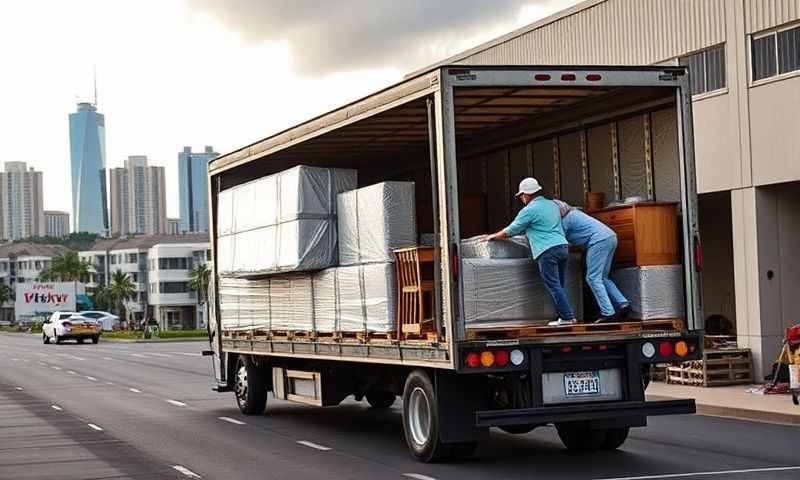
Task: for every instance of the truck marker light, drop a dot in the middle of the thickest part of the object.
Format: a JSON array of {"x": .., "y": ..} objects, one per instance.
[
  {"x": 602, "y": 348},
  {"x": 566, "y": 349},
  {"x": 593, "y": 77},
  {"x": 541, "y": 77},
  {"x": 586, "y": 348},
  {"x": 568, "y": 77},
  {"x": 681, "y": 349},
  {"x": 517, "y": 357},
  {"x": 648, "y": 349},
  {"x": 473, "y": 360},
  {"x": 501, "y": 358},
  {"x": 665, "y": 349},
  {"x": 487, "y": 359}
]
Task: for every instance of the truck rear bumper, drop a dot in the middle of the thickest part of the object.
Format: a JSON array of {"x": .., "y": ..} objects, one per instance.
[{"x": 585, "y": 412}]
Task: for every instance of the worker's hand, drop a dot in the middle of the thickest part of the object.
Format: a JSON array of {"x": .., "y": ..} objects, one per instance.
[{"x": 490, "y": 237}]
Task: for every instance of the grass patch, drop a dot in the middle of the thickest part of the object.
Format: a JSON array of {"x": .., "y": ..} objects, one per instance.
[
  {"x": 10, "y": 328},
  {"x": 182, "y": 333},
  {"x": 124, "y": 334},
  {"x": 33, "y": 328}
]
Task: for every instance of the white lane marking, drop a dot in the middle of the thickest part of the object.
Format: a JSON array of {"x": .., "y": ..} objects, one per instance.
[
  {"x": 160, "y": 354},
  {"x": 107, "y": 358},
  {"x": 186, "y": 471},
  {"x": 418, "y": 476},
  {"x": 76, "y": 358},
  {"x": 41, "y": 354},
  {"x": 232, "y": 420},
  {"x": 176, "y": 403},
  {"x": 71, "y": 372},
  {"x": 186, "y": 353},
  {"x": 95, "y": 427},
  {"x": 91, "y": 378},
  {"x": 110, "y": 383},
  {"x": 56, "y": 368},
  {"x": 56, "y": 408},
  {"x": 18, "y": 388},
  {"x": 135, "y": 390},
  {"x": 137, "y": 355},
  {"x": 15, "y": 359},
  {"x": 313, "y": 445},
  {"x": 706, "y": 474}
]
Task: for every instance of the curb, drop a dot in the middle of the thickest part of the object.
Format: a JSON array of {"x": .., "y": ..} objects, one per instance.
[
  {"x": 162, "y": 340},
  {"x": 742, "y": 413}
]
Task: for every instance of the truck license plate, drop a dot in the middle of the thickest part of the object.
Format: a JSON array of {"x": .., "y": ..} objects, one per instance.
[{"x": 578, "y": 384}]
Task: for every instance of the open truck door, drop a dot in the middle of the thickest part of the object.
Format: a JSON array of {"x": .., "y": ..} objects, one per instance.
[{"x": 214, "y": 338}]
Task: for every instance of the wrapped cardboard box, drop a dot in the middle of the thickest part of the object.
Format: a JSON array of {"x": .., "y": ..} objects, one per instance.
[
  {"x": 244, "y": 304},
  {"x": 325, "y": 295},
  {"x": 291, "y": 302},
  {"x": 510, "y": 292},
  {"x": 477, "y": 247},
  {"x": 375, "y": 220},
  {"x": 356, "y": 298},
  {"x": 281, "y": 223},
  {"x": 655, "y": 292}
]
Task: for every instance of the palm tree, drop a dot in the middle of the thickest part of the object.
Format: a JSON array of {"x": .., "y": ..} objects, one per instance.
[
  {"x": 5, "y": 293},
  {"x": 199, "y": 281},
  {"x": 67, "y": 268},
  {"x": 120, "y": 290}
]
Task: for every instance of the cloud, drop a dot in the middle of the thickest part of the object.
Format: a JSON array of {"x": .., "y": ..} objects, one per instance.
[{"x": 325, "y": 36}]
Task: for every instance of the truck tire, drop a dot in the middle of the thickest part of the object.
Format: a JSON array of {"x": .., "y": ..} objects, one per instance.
[
  {"x": 250, "y": 387},
  {"x": 518, "y": 429},
  {"x": 96, "y": 339},
  {"x": 421, "y": 419},
  {"x": 580, "y": 438},
  {"x": 80, "y": 339},
  {"x": 615, "y": 437},
  {"x": 380, "y": 399},
  {"x": 45, "y": 338},
  {"x": 56, "y": 339}
]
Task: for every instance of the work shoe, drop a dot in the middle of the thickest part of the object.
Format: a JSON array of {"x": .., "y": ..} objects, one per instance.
[
  {"x": 562, "y": 323},
  {"x": 606, "y": 319},
  {"x": 623, "y": 312}
]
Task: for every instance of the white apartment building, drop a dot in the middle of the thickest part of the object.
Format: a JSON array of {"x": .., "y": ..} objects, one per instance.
[
  {"x": 22, "y": 263},
  {"x": 138, "y": 198},
  {"x": 56, "y": 224},
  {"x": 21, "y": 202},
  {"x": 175, "y": 305},
  {"x": 744, "y": 60}
]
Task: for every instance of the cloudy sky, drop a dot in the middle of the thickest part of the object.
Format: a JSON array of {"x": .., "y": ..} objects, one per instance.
[{"x": 211, "y": 72}]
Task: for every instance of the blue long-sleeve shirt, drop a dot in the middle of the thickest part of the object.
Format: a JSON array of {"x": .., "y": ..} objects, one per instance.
[{"x": 541, "y": 221}]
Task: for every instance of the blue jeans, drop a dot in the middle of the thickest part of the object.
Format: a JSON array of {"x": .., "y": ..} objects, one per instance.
[
  {"x": 598, "y": 265},
  {"x": 552, "y": 267}
]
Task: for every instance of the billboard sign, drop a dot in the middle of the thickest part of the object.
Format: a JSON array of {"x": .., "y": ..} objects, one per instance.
[{"x": 37, "y": 300}]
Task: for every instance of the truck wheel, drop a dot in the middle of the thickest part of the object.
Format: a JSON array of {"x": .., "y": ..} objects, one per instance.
[
  {"x": 96, "y": 339},
  {"x": 615, "y": 437},
  {"x": 80, "y": 339},
  {"x": 250, "y": 387},
  {"x": 56, "y": 339},
  {"x": 380, "y": 399},
  {"x": 578, "y": 437},
  {"x": 45, "y": 338},
  {"x": 421, "y": 419},
  {"x": 518, "y": 429}
]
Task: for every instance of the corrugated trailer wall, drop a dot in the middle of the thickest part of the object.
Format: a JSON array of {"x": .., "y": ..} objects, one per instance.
[{"x": 618, "y": 32}]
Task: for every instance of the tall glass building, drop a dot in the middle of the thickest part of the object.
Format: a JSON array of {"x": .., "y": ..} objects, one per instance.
[
  {"x": 192, "y": 176},
  {"x": 87, "y": 138}
]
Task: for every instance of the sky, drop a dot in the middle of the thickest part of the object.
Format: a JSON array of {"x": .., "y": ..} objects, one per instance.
[{"x": 174, "y": 73}]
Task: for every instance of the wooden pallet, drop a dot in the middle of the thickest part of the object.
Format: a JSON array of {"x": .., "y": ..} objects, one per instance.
[
  {"x": 715, "y": 368},
  {"x": 577, "y": 329},
  {"x": 294, "y": 335}
]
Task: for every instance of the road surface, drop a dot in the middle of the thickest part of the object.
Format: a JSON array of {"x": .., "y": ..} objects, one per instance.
[{"x": 135, "y": 410}]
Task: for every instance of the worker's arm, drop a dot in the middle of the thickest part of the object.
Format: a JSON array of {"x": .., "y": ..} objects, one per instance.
[
  {"x": 497, "y": 236},
  {"x": 517, "y": 227}
]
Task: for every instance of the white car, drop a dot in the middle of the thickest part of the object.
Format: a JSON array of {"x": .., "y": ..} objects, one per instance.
[
  {"x": 107, "y": 321},
  {"x": 69, "y": 326}
]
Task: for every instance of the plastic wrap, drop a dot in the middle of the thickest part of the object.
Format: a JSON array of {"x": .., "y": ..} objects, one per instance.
[
  {"x": 373, "y": 221},
  {"x": 356, "y": 298},
  {"x": 292, "y": 302},
  {"x": 325, "y": 295},
  {"x": 281, "y": 223},
  {"x": 510, "y": 292},
  {"x": 514, "y": 247},
  {"x": 380, "y": 297},
  {"x": 654, "y": 292},
  {"x": 633, "y": 177},
  {"x": 244, "y": 304}
]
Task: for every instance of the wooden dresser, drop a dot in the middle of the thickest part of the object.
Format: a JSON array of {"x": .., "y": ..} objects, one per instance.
[{"x": 647, "y": 233}]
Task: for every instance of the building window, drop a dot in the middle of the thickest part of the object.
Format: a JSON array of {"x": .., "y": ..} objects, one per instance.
[
  {"x": 706, "y": 69},
  {"x": 174, "y": 287},
  {"x": 775, "y": 53},
  {"x": 174, "y": 263},
  {"x": 132, "y": 258}
]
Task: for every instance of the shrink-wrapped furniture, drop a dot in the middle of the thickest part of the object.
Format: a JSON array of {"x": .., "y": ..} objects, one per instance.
[
  {"x": 375, "y": 220},
  {"x": 654, "y": 292},
  {"x": 281, "y": 223},
  {"x": 478, "y": 247}
]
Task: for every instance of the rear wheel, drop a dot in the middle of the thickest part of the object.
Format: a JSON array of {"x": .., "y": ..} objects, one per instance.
[
  {"x": 421, "y": 422},
  {"x": 56, "y": 338},
  {"x": 96, "y": 339},
  {"x": 380, "y": 399},
  {"x": 250, "y": 387},
  {"x": 615, "y": 437},
  {"x": 45, "y": 338}
]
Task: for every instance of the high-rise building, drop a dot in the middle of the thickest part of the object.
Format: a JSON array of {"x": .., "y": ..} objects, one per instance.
[
  {"x": 138, "y": 198},
  {"x": 173, "y": 226},
  {"x": 21, "y": 205},
  {"x": 192, "y": 176},
  {"x": 87, "y": 140},
  {"x": 56, "y": 223}
]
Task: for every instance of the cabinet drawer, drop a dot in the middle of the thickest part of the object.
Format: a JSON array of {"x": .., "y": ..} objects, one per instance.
[{"x": 622, "y": 215}]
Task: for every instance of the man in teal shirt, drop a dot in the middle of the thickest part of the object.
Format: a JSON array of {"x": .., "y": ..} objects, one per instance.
[{"x": 540, "y": 219}]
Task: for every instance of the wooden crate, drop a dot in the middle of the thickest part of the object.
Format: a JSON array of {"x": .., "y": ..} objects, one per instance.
[{"x": 716, "y": 368}]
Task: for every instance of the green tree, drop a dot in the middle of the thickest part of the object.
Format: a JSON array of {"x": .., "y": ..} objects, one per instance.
[
  {"x": 198, "y": 280},
  {"x": 101, "y": 299},
  {"x": 66, "y": 268},
  {"x": 119, "y": 290},
  {"x": 5, "y": 293}
]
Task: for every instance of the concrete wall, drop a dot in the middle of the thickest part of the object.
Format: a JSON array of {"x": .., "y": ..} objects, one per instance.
[{"x": 775, "y": 130}]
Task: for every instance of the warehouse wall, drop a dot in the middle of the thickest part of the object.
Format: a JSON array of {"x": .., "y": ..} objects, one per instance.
[{"x": 774, "y": 125}]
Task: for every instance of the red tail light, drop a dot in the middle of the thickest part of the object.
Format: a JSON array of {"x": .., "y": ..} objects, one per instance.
[
  {"x": 501, "y": 358},
  {"x": 602, "y": 348},
  {"x": 541, "y": 77},
  {"x": 593, "y": 77},
  {"x": 454, "y": 263},
  {"x": 698, "y": 254},
  {"x": 568, "y": 77},
  {"x": 473, "y": 360},
  {"x": 665, "y": 349},
  {"x": 566, "y": 349}
]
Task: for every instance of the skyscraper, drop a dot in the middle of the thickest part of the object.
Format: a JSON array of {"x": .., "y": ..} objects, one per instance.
[
  {"x": 21, "y": 202},
  {"x": 87, "y": 140},
  {"x": 138, "y": 198},
  {"x": 56, "y": 223},
  {"x": 192, "y": 172}
]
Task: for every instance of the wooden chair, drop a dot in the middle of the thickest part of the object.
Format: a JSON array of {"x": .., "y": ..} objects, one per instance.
[{"x": 414, "y": 292}]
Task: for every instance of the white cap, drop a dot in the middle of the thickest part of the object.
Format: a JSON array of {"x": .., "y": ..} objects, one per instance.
[{"x": 528, "y": 185}]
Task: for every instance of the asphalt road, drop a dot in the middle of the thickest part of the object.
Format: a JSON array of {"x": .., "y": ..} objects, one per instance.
[{"x": 128, "y": 410}]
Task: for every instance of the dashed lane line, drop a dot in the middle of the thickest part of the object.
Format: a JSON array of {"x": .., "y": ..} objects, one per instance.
[
  {"x": 418, "y": 476},
  {"x": 18, "y": 388},
  {"x": 175, "y": 402},
  {"x": 88, "y": 377},
  {"x": 135, "y": 390},
  {"x": 56, "y": 408},
  {"x": 72, "y": 372},
  {"x": 55, "y": 367},
  {"x": 186, "y": 471},
  {"x": 110, "y": 383},
  {"x": 95, "y": 427},
  {"x": 707, "y": 474},
  {"x": 313, "y": 445},
  {"x": 232, "y": 420}
]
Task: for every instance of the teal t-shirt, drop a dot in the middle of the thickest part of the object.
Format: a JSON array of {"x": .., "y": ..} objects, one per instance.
[{"x": 541, "y": 221}]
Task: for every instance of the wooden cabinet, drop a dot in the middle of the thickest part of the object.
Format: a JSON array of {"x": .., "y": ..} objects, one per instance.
[{"x": 647, "y": 233}]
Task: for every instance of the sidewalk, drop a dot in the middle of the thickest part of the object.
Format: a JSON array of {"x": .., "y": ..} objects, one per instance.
[{"x": 733, "y": 401}]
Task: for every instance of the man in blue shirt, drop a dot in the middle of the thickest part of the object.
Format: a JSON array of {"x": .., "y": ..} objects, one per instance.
[
  {"x": 541, "y": 221},
  {"x": 600, "y": 242}
]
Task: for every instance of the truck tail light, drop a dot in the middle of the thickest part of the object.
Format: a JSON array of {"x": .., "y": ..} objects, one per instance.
[
  {"x": 542, "y": 77},
  {"x": 594, "y": 77},
  {"x": 501, "y": 358},
  {"x": 681, "y": 349},
  {"x": 487, "y": 359},
  {"x": 568, "y": 77},
  {"x": 665, "y": 349},
  {"x": 455, "y": 262},
  {"x": 648, "y": 350},
  {"x": 517, "y": 357},
  {"x": 473, "y": 360}
]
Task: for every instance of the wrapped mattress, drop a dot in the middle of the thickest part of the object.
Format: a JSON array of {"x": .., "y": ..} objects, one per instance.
[
  {"x": 477, "y": 247},
  {"x": 510, "y": 292},
  {"x": 281, "y": 223},
  {"x": 655, "y": 292},
  {"x": 375, "y": 220}
]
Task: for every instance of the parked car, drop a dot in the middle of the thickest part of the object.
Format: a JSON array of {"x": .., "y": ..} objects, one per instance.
[
  {"x": 107, "y": 321},
  {"x": 70, "y": 326}
]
